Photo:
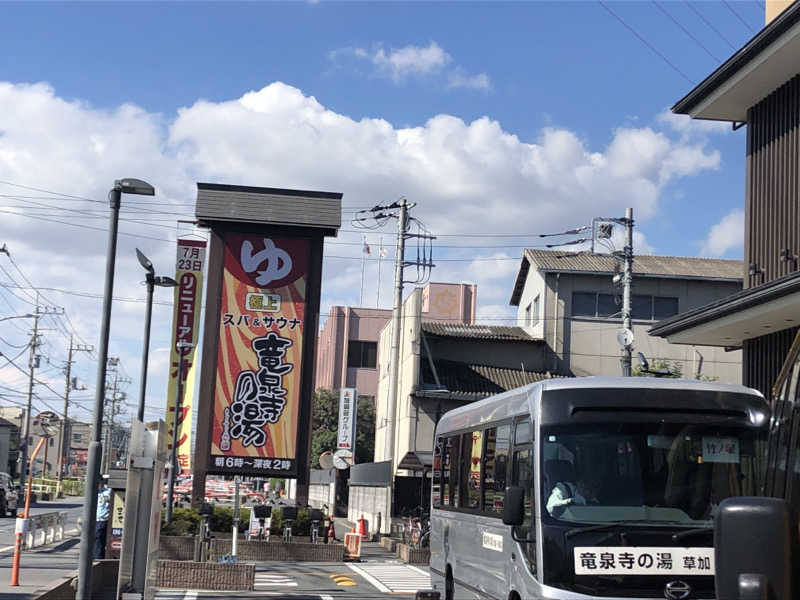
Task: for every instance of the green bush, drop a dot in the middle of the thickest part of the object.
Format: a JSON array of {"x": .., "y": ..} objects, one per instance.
[
  {"x": 185, "y": 521},
  {"x": 222, "y": 518}
]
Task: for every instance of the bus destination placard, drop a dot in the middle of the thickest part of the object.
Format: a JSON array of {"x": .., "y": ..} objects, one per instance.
[{"x": 643, "y": 560}]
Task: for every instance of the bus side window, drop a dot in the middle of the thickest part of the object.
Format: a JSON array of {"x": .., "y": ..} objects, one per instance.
[
  {"x": 495, "y": 468},
  {"x": 450, "y": 471},
  {"x": 522, "y": 476},
  {"x": 471, "y": 452},
  {"x": 436, "y": 483}
]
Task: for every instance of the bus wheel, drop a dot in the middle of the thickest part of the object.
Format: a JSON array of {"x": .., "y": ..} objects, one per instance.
[{"x": 449, "y": 586}]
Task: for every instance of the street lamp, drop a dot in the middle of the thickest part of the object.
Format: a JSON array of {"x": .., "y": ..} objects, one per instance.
[
  {"x": 183, "y": 348},
  {"x": 28, "y": 316},
  {"x": 84, "y": 590},
  {"x": 151, "y": 280}
]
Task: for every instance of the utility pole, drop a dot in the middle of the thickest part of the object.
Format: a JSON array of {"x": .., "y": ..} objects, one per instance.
[
  {"x": 32, "y": 365},
  {"x": 627, "y": 279},
  {"x": 424, "y": 264},
  {"x": 399, "y": 263},
  {"x": 601, "y": 233},
  {"x": 64, "y": 446},
  {"x": 23, "y": 467}
]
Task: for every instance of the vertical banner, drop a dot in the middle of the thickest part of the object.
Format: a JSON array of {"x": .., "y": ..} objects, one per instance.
[
  {"x": 348, "y": 408},
  {"x": 258, "y": 377},
  {"x": 185, "y": 328}
]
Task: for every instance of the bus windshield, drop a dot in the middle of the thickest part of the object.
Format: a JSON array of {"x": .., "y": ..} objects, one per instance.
[{"x": 650, "y": 473}]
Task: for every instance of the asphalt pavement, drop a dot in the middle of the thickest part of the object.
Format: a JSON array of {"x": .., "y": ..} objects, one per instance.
[
  {"x": 40, "y": 566},
  {"x": 377, "y": 575}
]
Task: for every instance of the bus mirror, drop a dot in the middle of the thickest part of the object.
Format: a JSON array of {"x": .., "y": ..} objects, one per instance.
[
  {"x": 514, "y": 506},
  {"x": 743, "y": 524}
]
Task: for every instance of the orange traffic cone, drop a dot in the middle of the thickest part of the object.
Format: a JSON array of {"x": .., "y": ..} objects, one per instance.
[
  {"x": 331, "y": 532},
  {"x": 362, "y": 528}
]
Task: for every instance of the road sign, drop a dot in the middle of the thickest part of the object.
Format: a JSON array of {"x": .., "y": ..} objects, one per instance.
[{"x": 342, "y": 459}]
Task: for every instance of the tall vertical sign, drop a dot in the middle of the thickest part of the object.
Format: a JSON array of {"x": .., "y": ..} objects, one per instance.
[
  {"x": 348, "y": 407},
  {"x": 185, "y": 328},
  {"x": 259, "y": 357},
  {"x": 260, "y": 327}
]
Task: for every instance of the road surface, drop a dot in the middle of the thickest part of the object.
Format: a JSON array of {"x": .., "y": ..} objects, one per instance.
[{"x": 40, "y": 566}]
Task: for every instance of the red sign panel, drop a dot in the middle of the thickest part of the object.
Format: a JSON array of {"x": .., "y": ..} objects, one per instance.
[{"x": 257, "y": 393}]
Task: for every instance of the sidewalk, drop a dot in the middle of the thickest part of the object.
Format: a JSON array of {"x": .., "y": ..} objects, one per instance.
[{"x": 38, "y": 568}]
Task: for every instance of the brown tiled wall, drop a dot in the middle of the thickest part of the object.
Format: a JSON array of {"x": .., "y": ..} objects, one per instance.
[
  {"x": 205, "y": 576},
  {"x": 263, "y": 551}
]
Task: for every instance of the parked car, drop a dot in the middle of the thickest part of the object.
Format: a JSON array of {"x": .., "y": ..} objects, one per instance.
[{"x": 8, "y": 496}]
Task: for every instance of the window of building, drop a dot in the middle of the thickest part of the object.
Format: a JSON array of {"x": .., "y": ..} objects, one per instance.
[
  {"x": 664, "y": 308},
  {"x": 362, "y": 355},
  {"x": 528, "y": 312},
  {"x": 643, "y": 308},
  {"x": 535, "y": 313},
  {"x": 584, "y": 304}
]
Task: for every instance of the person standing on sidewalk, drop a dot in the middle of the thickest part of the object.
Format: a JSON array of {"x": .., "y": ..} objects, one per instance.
[{"x": 103, "y": 510}]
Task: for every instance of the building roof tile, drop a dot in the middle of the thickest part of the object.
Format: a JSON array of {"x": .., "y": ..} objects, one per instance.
[
  {"x": 473, "y": 381},
  {"x": 478, "y": 332},
  {"x": 644, "y": 265}
]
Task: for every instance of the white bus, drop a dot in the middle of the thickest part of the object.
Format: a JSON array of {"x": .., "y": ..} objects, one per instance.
[{"x": 595, "y": 487}]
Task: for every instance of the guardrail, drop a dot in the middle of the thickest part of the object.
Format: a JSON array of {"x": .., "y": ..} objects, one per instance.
[{"x": 44, "y": 528}]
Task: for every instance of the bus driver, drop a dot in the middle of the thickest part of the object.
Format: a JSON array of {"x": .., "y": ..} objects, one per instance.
[{"x": 565, "y": 492}]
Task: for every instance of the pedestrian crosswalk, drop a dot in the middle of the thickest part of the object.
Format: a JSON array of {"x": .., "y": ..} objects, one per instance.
[
  {"x": 393, "y": 578},
  {"x": 269, "y": 580}
]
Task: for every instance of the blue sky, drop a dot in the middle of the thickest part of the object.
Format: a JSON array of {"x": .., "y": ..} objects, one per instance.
[{"x": 497, "y": 118}]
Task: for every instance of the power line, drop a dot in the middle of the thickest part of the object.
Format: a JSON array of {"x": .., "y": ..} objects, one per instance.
[
  {"x": 738, "y": 16},
  {"x": 686, "y": 31},
  {"x": 645, "y": 42},
  {"x": 710, "y": 25}
]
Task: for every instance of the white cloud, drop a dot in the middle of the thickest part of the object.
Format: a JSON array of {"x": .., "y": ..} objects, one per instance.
[
  {"x": 412, "y": 60},
  {"x": 465, "y": 177},
  {"x": 726, "y": 235},
  {"x": 399, "y": 64},
  {"x": 474, "y": 82}
]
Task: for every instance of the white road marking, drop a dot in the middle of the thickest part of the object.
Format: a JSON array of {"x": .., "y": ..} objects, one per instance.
[
  {"x": 325, "y": 597},
  {"x": 389, "y": 578},
  {"x": 6, "y": 548},
  {"x": 377, "y": 584},
  {"x": 190, "y": 595},
  {"x": 268, "y": 579}
]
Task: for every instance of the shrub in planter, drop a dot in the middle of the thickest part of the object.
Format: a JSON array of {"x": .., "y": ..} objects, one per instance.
[
  {"x": 222, "y": 518},
  {"x": 185, "y": 521}
]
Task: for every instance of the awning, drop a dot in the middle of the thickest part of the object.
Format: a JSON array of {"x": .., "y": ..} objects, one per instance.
[
  {"x": 751, "y": 313},
  {"x": 417, "y": 461}
]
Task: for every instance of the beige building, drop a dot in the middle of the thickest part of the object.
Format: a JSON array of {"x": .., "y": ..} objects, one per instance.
[
  {"x": 347, "y": 354},
  {"x": 442, "y": 365},
  {"x": 76, "y": 443},
  {"x": 571, "y": 302}
]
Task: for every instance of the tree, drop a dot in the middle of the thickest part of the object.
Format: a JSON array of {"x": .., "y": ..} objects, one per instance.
[
  {"x": 325, "y": 426},
  {"x": 674, "y": 367}
]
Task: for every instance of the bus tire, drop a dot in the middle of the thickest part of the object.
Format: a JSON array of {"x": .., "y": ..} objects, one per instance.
[{"x": 449, "y": 585}]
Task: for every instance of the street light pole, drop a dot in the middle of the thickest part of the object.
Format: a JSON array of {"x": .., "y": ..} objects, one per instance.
[
  {"x": 151, "y": 281},
  {"x": 84, "y": 589},
  {"x": 172, "y": 468}
]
